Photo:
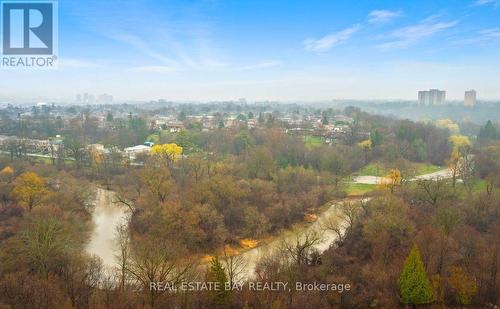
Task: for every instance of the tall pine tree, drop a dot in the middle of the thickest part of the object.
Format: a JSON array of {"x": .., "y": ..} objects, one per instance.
[
  {"x": 414, "y": 285},
  {"x": 216, "y": 273}
]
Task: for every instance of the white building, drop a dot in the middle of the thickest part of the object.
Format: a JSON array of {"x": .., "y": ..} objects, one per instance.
[
  {"x": 423, "y": 98},
  {"x": 470, "y": 98},
  {"x": 132, "y": 152},
  {"x": 431, "y": 97}
]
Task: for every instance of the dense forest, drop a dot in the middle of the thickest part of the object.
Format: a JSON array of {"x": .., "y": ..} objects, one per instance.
[{"x": 198, "y": 194}]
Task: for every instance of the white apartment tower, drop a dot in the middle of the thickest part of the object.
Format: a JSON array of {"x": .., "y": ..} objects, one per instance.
[
  {"x": 431, "y": 97},
  {"x": 470, "y": 98},
  {"x": 423, "y": 98}
]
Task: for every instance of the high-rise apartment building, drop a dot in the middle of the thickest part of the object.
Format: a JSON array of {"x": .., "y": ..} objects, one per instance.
[
  {"x": 432, "y": 97},
  {"x": 470, "y": 98}
]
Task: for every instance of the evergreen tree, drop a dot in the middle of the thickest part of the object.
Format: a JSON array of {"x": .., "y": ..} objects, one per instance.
[
  {"x": 414, "y": 285},
  {"x": 488, "y": 131},
  {"x": 376, "y": 138},
  {"x": 216, "y": 273}
]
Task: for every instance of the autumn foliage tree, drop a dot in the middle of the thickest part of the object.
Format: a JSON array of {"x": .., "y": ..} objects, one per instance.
[
  {"x": 169, "y": 152},
  {"x": 458, "y": 157},
  {"x": 463, "y": 285},
  {"x": 392, "y": 180},
  {"x": 29, "y": 189}
]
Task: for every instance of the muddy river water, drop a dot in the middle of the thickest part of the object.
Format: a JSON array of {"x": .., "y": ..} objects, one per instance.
[{"x": 108, "y": 215}]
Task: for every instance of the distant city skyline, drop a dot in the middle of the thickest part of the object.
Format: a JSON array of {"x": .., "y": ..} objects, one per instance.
[{"x": 279, "y": 51}]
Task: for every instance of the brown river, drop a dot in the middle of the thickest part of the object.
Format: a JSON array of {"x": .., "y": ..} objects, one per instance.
[{"x": 108, "y": 215}]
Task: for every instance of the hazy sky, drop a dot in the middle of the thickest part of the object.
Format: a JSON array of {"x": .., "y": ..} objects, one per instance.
[{"x": 269, "y": 50}]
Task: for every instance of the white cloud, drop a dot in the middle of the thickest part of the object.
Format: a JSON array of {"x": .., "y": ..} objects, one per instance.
[
  {"x": 154, "y": 69},
  {"x": 495, "y": 3},
  {"x": 410, "y": 35},
  {"x": 485, "y": 35},
  {"x": 492, "y": 33},
  {"x": 260, "y": 65},
  {"x": 383, "y": 16},
  {"x": 328, "y": 41}
]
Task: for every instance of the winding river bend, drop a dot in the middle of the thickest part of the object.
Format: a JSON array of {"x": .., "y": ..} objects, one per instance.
[{"x": 108, "y": 215}]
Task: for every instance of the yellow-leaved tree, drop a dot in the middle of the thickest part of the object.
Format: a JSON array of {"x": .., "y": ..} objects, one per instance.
[
  {"x": 97, "y": 157},
  {"x": 6, "y": 173},
  {"x": 463, "y": 285},
  {"x": 366, "y": 145},
  {"x": 459, "y": 155},
  {"x": 29, "y": 189},
  {"x": 448, "y": 124},
  {"x": 170, "y": 152},
  {"x": 392, "y": 180}
]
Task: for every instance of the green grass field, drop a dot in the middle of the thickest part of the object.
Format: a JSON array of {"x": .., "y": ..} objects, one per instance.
[
  {"x": 424, "y": 168},
  {"x": 372, "y": 169},
  {"x": 313, "y": 141},
  {"x": 354, "y": 189}
]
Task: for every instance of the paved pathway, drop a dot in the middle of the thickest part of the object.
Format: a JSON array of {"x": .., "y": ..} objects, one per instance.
[{"x": 373, "y": 180}]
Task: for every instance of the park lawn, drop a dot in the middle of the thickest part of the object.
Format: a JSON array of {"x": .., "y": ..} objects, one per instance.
[
  {"x": 355, "y": 189},
  {"x": 372, "y": 169},
  {"x": 313, "y": 141},
  {"x": 425, "y": 168},
  {"x": 479, "y": 185},
  {"x": 155, "y": 138}
]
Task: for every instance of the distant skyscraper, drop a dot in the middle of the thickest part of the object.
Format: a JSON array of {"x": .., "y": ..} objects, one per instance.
[
  {"x": 423, "y": 98},
  {"x": 432, "y": 97},
  {"x": 470, "y": 98},
  {"x": 105, "y": 99},
  {"x": 78, "y": 98}
]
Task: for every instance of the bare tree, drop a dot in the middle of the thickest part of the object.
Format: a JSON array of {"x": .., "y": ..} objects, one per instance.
[
  {"x": 154, "y": 263},
  {"x": 123, "y": 256},
  {"x": 467, "y": 168},
  {"x": 234, "y": 265},
  {"x": 128, "y": 190},
  {"x": 343, "y": 220},
  {"x": 432, "y": 190},
  {"x": 82, "y": 277},
  {"x": 334, "y": 223},
  {"x": 300, "y": 248},
  {"x": 350, "y": 213}
]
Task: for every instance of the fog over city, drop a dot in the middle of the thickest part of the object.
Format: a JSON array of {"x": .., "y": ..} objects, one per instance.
[{"x": 219, "y": 50}]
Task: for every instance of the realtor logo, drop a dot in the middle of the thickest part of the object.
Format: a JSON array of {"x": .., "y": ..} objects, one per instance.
[{"x": 29, "y": 33}]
